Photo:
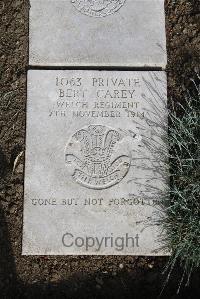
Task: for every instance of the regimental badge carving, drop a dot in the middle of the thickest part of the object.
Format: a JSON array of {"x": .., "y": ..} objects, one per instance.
[
  {"x": 94, "y": 157},
  {"x": 98, "y": 8}
]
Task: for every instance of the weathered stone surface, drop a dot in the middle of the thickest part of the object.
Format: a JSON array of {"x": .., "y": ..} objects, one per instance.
[
  {"x": 95, "y": 172},
  {"x": 127, "y": 33}
]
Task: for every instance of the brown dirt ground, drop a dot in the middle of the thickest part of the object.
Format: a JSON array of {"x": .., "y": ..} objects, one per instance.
[{"x": 75, "y": 277}]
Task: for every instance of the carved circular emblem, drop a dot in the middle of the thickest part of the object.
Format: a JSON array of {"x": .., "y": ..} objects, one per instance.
[
  {"x": 94, "y": 157},
  {"x": 98, "y": 8}
]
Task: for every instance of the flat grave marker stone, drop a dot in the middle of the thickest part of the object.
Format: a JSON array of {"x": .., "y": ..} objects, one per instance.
[
  {"x": 112, "y": 33},
  {"x": 95, "y": 173}
]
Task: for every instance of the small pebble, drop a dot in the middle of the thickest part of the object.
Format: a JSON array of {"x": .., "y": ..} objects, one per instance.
[
  {"x": 99, "y": 281},
  {"x": 150, "y": 266}
]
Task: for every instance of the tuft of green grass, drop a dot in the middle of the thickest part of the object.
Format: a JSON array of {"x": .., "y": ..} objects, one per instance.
[
  {"x": 182, "y": 220},
  {"x": 175, "y": 145}
]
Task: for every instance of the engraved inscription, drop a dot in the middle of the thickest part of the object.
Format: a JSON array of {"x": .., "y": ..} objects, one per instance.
[
  {"x": 98, "y": 8},
  {"x": 92, "y": 157}
]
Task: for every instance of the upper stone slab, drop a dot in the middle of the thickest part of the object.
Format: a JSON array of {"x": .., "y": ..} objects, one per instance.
[{"x": 115, "y": 33}]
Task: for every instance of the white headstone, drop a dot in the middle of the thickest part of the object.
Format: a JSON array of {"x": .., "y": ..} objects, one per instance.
[
  {"x": 95, "y": 173},
  {"x": 127, "y": 33}
]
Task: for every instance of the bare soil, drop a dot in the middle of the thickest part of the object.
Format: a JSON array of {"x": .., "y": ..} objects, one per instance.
[{"x": 76, "y": 277}]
